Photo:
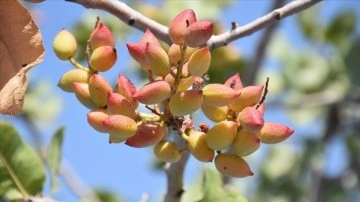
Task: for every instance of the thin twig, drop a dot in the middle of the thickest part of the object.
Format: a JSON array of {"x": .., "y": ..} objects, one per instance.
[
  {"x": 260, "y": 23},
  {"x": 141, "y": 22},
  {"x": 263, "y": 97},
  {"x": 129, "y": 16}
]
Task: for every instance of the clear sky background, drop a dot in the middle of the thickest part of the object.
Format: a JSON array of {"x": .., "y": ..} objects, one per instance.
[{"x": 117, "y": 167}]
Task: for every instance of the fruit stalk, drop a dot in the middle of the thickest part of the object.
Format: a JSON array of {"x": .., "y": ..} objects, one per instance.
[{"x": 77, "y": 65}]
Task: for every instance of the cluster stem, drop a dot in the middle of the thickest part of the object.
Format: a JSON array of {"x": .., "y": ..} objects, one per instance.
[
  {"x": 179, "y": 69},
  {"x": 78, "y": 66}
]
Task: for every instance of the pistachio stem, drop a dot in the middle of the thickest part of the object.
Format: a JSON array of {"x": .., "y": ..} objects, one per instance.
[
  {"x": 179, "y": 69},
  {"x": 184, "y": 136},
  {"x": 149, "y": 117},
  {"x": 77, "y": 65}
]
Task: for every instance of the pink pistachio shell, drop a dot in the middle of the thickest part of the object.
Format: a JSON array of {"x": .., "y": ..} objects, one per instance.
[
  {"x": 250, "y": 95},
  {"x": 198, "y": 33},
  {"x": 101, "y": 36},
  {"x": 232, "y": 165},
  {"x": 126, "y": 88},
  {"x": 137, "y": 52},
  {"x": 273, "y": 133},
  {"x": 219, "y": 94},
  {"x": 103, "y": 58},
  {"x": 95, "y": 118},
  {"x": 153, "y": 93},
  {"x": 234, "y": 82},
  {"x": 82, "y": 93},
  {"x": 120, "y": 125},
  {"x": 149, "y": 37},
  {"x": 261, "y": 108},
  {"x": 147, "y": 135},
  {"x": 118, "y": 104},
  {"x": 251, "y": 119},
  {"x": 178, "y": 25},
  {"x": 246, "y": 143},
  {"x": 157, "y": 59}
]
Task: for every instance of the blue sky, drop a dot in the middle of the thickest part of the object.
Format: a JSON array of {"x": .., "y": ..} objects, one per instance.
[{"x": 117, "y": 167}]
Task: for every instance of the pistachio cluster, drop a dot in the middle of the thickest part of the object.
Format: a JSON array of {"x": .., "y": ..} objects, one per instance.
[{"x": 175, "y": 89}]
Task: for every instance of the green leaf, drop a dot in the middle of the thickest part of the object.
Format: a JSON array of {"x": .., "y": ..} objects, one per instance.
[
  {"x": 341, "y": 28},
  {"x": 54, "y": 156},
  {"x": 107, "y": 196},
  {"x": 212, "y": 186},
  {"x": 311, "y": 25},
  {"x": 232, "y": 194},
  {"x": 21, "y": 170},
  {"x": 352, "y": 61}
]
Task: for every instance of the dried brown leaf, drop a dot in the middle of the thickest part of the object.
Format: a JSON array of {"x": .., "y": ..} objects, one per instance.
[{"x": 21, "y": 48}]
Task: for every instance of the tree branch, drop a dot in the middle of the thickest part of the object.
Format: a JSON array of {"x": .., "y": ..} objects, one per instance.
[
  {"x": 255, "y": 63},
  {"x": 128, "y": 15},
  {"x": 260, "y": 23},
  {"x": 141, "y": 22}
]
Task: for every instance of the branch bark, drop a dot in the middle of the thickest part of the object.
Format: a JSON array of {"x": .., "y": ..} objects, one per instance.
[
  {"x": 128, "y": 16},
  {"x": 260, "y": 23},
  {"x": 254, "y": 66},
  {"x": 141, "y": 22}
]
